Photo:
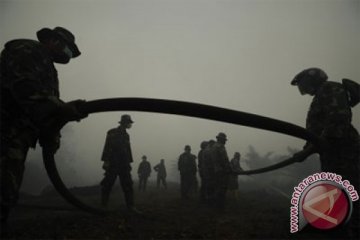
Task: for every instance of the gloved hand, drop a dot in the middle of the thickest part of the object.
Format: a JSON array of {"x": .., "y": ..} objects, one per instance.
[
  {"x": 50, "y": 142},
  {"x": 70, "y": 111}
]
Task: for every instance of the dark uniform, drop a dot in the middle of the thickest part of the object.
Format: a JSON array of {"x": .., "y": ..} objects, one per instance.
[
  {"x": 30, "y": 101},
  {"x": 235, "y": 167},
  {"x": 117, "y": 157},
  {"x": 144, "y": 171},
  {"x": 201, "y": 167},
  {"x": 221, "y": 165},
  {"x": 187, "y": 168},
  {"x": 330, "y": 117},
  {"x": 161, "y": 174},
  {"x": 208, "y": 172}
]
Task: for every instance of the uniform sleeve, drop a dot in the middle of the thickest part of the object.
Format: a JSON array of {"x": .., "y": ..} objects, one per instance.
[
  {"x": 107, "y": 149},
  {"x": 330, "y": 114},
  {"x": 194, "y": 168},
  {"x": 31, "y": 79}
]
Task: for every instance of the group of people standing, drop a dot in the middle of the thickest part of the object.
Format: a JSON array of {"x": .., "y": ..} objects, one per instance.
[
  {"x": 144, "y": 171},
  {"x": 216, "y": 172}
]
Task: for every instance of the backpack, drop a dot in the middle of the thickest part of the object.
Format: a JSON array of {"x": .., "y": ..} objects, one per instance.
[{"x": 353, "y": 90}]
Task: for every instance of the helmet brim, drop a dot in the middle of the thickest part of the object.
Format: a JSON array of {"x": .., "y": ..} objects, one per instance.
[{"x": 47, "y": 33}]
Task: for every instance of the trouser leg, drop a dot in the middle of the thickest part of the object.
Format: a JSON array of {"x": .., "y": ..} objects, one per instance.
[
  {"x": 142, "y": 183},
  {"x": 221, "y": 184},
  {"x": 127, "y": 186},
  {"x": 164, "y": 182},
  {"x": 145, "y": 183},
  {"x": 13, "y": 155},
  {"x": 203, "y": 190},
  {"x": 158, "y": 182},
  {"x": 106, "y": 186}
]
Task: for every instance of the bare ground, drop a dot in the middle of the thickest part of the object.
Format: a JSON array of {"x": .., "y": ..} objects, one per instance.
[{"x": 255, "y": 215}]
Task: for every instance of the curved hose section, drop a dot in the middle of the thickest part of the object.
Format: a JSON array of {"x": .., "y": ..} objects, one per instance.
[
  {"x": 199, "y": 111},
  {"x": 59, "y": 185},
  {"x": 298, "y": 157},
  {"x": 185, "y": 109}
]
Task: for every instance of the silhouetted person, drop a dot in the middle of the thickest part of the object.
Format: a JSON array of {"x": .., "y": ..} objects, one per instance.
[
  {"x": 201, "y": 166},
  {"x": 233, "y": 178},
  {"x": 117, "y": 157},
  {"x": 161, "y": 174},
  {"x": 30, "y": 104},
  {"x": 222, "y": 169},
  {"x": 208, "y": 172},
  {"x": 187, "y": 168},
  {"x": 144, "y": 171},
  {"x": 329, "y": 117}
]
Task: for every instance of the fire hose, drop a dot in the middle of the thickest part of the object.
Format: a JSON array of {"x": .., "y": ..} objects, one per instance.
[{"x": 185, "y": 109}]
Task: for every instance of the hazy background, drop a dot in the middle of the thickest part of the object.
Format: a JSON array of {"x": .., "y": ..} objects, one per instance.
[{"x": 234, "y": 54}]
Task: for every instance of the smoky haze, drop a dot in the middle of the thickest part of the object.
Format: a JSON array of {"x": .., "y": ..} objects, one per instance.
[{"x": 239, "y": 55}]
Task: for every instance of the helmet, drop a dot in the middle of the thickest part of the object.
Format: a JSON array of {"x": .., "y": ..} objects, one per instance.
[
  {"x": 221, "y": 136},
  {"x": 309, "y": 80},
  {"x": 187, "y": 147},
  {"x": 143, "y": 157},
  {"x": 62, "y": 34},
  {"x": 126, "y": 119},
  {"x": 314, "y": 76}
]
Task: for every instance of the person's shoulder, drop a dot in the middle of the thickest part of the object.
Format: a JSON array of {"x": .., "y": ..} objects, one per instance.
[
  {"x": 113, "y": 131},
  {"x": 330, "y": 86},
  {"x": 22, "y": 44}
]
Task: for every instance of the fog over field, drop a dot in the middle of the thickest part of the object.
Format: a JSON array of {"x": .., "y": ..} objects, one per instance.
[{"x": 235, "y": 54}]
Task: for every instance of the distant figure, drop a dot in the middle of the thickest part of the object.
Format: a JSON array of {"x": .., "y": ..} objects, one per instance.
[
  {"x": 117, "y": 158},
  {"x": 161, "y": 174},
  {"x": 201, "y": 166},
  {"x": 329, "y": 117},
  {"x": 31, "y": 104},
  {"x": 187, "y": 168},
  {"x": 221, "y": 163},
  {"x": 144, "y": 171},
  {"x": 208, "y": 172},
  {"x": 233, "y": 178}
]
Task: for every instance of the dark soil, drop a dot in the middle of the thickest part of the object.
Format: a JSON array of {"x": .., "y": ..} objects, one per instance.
[{"x": 255, "y": 215}]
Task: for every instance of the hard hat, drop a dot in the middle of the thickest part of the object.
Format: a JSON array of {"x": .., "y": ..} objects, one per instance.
[{"x": 314, "y": 76}]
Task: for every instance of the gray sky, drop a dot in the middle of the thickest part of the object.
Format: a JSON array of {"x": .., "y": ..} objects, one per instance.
[{"x": 239, "y": 54}]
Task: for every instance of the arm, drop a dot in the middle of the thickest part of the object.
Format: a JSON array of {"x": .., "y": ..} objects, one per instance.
[{"x": 156, "y": 168}]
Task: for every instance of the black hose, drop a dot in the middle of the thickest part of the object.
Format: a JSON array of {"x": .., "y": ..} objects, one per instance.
[{"x": 185, "y": 109}]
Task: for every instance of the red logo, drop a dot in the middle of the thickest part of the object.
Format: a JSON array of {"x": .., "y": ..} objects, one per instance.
[{"x": 325, "y": 206}]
